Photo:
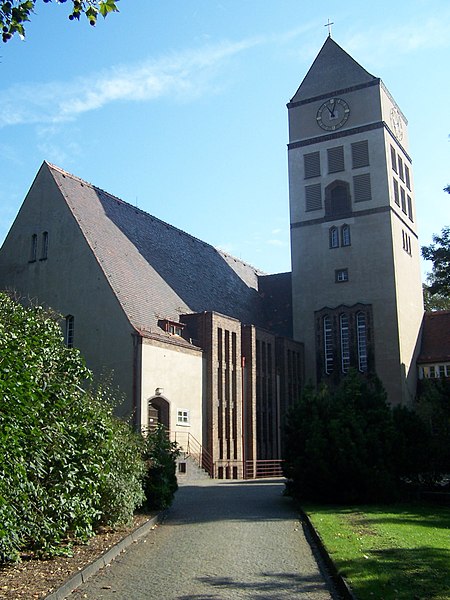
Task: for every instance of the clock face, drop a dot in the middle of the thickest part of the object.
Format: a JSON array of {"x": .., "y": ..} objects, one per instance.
[
  {"x": 396, "y": 123},
  {"x": 333, "y": 114}
]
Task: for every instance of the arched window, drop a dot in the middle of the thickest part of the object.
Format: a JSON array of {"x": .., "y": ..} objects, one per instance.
[
  {"x": 345, "y": 342},
  {"x": 69, "y": 331},
  {"x": 328, "y": 345},
  {"x": 334, "y": 237},
  {"x": 337, "y": 199},
  {"x": 345, "y": 235},
  {"x": 44, "y": 249},
  {"x": 33, "y": 248},
  {"x": 361, "y": 332}
]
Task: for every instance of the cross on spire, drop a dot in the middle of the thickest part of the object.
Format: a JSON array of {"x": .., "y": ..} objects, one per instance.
[{"x": 329, "y": 24}]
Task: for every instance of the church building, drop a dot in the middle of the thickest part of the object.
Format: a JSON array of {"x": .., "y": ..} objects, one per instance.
[{"x": 204, "y": 343}]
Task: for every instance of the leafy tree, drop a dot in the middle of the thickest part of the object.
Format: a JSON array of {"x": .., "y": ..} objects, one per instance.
[
  {"x": 15, "y": 13},
  {"x": 439, "y": 254},
  {"x": 434, "y": 301},
  {"x": 67, "y": 463}
]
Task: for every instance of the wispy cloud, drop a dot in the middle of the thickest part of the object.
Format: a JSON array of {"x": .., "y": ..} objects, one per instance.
[{"x": 187, "y": 74}]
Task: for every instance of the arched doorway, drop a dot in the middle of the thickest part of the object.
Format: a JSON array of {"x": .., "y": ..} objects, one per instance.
[{"x": 158, "y": 413}]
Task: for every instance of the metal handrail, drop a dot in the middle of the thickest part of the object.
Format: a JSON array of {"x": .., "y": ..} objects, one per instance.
[{"x": 193, "y": 448}]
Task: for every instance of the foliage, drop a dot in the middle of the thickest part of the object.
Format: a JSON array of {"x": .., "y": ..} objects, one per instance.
[
  {"x": 439, "y": 254},
  {"x": 67, "y": 463},
  {"x": 349, "y": 446},
  {"x": 160, "y": 482},
  {"x": 15, "y": 13},
  {"x": 381, "y": 550},
  {"x": 433, "y": 302}
]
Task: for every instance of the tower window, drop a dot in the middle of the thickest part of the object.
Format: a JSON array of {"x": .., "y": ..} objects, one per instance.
[
  {"x": 69, "y": 331},
  {"x": 334, "y": 237},
  {"x": 341, "y": 275},
  {"x": 345, "y": 235},
  {"x": 362, "y": 341},
  {"x": 335, "y": 159},
  {"x": 410, "y": 211},
  {"x": 362, "y": 187},
  {"x": 394, "y": 160},
  {"x": 33, "y": 248},
  {"x": 400, "y": 169},
  {"x": 44, "y": 249},
  {"x": 345, "y": 343},
  {"x": 403, "y": 198},
  {"x": 311, "y": 163},
  {"x": 313, "y": 197},
  {"x": 337, "y": 199},
  {"x": 328, "y": 344},
  {"x": 396, "y": 192},
  {"x": 360, "y": 154},
  {"x": 407, "y": 178}
]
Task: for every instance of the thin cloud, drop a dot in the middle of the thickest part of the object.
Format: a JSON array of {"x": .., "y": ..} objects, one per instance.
[{"x": 187, "y": 75}]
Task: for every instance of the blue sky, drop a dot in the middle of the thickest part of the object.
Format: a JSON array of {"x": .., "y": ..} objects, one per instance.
[{"x": 179, "y": 106}]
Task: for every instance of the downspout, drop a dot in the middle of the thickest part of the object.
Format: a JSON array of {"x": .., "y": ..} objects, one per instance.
[
  {"x": 137, "y": 370},
  {"x": 244, "y": 454}
]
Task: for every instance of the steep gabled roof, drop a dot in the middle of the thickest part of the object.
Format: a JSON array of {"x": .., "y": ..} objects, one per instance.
[
  {"x": 156, "y": 270},
  {"x": 332, "y": 70},
  {"x": 435, "y": 337}
]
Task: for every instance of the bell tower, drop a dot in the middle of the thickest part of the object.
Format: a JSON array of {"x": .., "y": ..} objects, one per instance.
[{"x": 356, "y": 284}]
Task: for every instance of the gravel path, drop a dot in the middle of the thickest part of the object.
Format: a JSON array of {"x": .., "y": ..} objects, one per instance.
[{"x": 220, "y": 540}]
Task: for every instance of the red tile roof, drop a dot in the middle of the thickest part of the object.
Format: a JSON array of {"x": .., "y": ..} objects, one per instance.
[{"x": 435, "y": 337}]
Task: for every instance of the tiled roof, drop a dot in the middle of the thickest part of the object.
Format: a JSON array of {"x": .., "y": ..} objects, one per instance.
[
  {"x": 435, "y": 337},
  {"x": 332, "y": 70},
  {"x": 156, "y": 270}
]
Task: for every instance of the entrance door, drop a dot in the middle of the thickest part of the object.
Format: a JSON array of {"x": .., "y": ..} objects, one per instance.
[{"x": 158, "y": 413}]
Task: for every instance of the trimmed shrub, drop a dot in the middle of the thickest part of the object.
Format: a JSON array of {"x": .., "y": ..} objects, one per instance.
[{"x": 160, "y": 481}]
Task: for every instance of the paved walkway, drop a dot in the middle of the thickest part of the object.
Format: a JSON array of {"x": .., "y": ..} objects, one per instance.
[{"x": 221, "y": 540}]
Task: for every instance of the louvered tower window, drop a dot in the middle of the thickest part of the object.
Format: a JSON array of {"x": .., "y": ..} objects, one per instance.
[
  {"x": 360, "y": 154},
  {"x": 313, "y": 197},
  {"x": 362, "y": 187},
  {"x": 312, "y": 164},
  {"x": 335, "y": 159}
]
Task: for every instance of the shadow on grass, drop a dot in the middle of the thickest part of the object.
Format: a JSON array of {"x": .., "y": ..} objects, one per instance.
[
  {"x": 403, "y": 574},
  {"x": 267, "y": 587}
]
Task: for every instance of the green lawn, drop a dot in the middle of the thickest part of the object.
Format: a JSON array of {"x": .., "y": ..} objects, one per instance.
[{"x": 400, "y": 551}]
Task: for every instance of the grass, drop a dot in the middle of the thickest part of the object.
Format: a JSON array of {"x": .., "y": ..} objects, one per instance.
[{"x": 385, "y": 552}]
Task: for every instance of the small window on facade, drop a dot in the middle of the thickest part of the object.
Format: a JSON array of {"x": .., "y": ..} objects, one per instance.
[
  {"x": 403, "y": 199},
  {"x": 335, "y": 159},
  {"x": 341, "y": 275},
  {"x": 396, "y": 192},
  {"x": 311, "y": 163},
  {"x": 345, "y": 343},
  {"x": 360, "y": 154},
  {"x": 432, "y": 371},
  {"x": 345, "y": 235},
  {"x": 328, "y": 345},
  {"x": 400, "y": 169},
  {"x": 313, "y": 197},
  {"x": 69, "y": 331},
  {"x": 33, "y": 248},
  {"x": 182, "y": 417},
  {"x": 394, "y": 160},
  {"x": 362, "y": 341},
  {"x": 362, "y": 187},
  {"x": 44, "y": 249},
  {"x": 407, "y": 178},
  {"x": 410, "y": 212},
  {"x": 334, "y": 237},
  {"x": 441, "y": 370}
]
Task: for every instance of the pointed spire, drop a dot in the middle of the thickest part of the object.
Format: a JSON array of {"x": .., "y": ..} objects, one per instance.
[{"x": 332, "y": 70}]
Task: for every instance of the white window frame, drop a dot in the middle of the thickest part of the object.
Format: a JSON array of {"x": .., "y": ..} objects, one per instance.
[{"x": 183, "y": 417}]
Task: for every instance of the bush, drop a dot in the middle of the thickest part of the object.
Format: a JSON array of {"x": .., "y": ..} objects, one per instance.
[
  {"x": 67, "y": 463},
  {"x": 160, "y": 481}
]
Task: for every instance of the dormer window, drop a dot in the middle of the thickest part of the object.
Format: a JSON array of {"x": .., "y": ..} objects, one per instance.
[{"x": 171, "y": 327}]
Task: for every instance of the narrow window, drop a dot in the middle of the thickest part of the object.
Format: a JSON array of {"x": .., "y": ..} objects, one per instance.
[
  {"x": 441, "y": 370},
  {"x": 432, "y": 371},
  {"x": 362, "y": 187},
  {"x": 345, "y": 235},
  {"x": 328, "y": 344},
  {"x": 410, "y": 211},
  {"x": 394, "y": 160},
  {"x": 345, "y": 343},
  {"x": 69, "y": 331},
  {"x": 313, "y": 197},
  {"x": 334, "y": 237},
  {"x": 311, "y": 163},
  {"x": 33, "y": 248},
  {"x": 400, "y": 169},
  {"x": 396, "y": 192},
  {"x": 362, "y": 341},
  {"x": 403, "y": 197},
  {"x": 44, "y": 249},
  {"x": 341, "y": 275},
  {"x": 407, "y": 178}
]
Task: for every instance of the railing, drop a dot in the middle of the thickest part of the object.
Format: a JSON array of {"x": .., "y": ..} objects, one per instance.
[
  {"x": 263, "y": 469},
  {"x": 192, "y": 447}
]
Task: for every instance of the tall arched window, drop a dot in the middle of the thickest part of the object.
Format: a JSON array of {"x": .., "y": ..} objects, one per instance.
[
  {"x": 345, "y": 235},
  {"x": 328, "y": 345},
  {"x": 334, "y": 237},
  {"x": 69, "y": 331},
  {"x": 33, "y": 248},
  {"x": 361, "y": 331},
  {"x": 44, "y": 249},
  {"x": 337, "y": 199},
  {"x": 345, "y": 342}
]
